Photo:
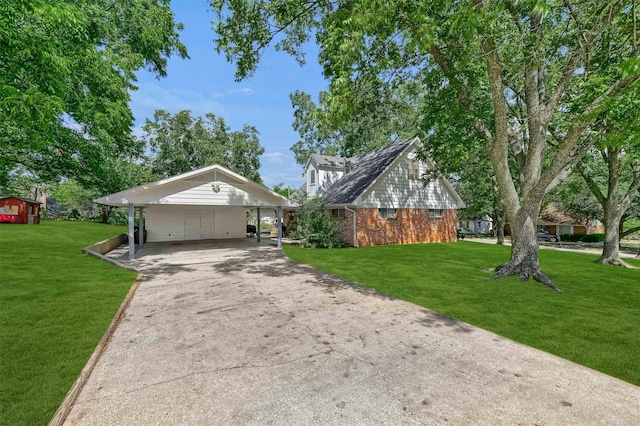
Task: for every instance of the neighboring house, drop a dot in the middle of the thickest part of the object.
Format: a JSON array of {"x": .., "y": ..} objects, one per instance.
[
  {"x": 477, "y": 225},
  {"x": 380, "y": 197},
  {"x": 557, "y": 222},
  {"x": 560, "y": 223},
  {"x": 23, "y": 210}
]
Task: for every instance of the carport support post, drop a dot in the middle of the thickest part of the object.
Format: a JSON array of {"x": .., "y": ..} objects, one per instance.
[
  {"x": 132, "y": 247},
  {"x": 141, "y": 229},
  {"x": 258, "y": 225},
  {"x": 279, "y": 227}
]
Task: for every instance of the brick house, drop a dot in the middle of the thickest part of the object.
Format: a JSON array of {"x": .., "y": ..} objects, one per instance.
[{"x": 379, "y": 197}]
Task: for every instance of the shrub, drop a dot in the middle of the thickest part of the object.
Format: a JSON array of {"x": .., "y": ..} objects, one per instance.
[
  {"x": 315, "y": 226},
  {"x": 593, "y": 238},
  {"x": 571, "y": 237}
]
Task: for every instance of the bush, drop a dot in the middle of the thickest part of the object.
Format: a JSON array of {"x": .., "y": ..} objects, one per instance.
[
  {"x": 315, "y": 226},
  {"x": 593, "y": 238},
  {"x": 572, "y": 237}
]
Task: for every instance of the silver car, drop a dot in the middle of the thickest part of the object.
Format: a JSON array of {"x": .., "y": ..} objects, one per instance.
[{"x": 544, "y": 235}]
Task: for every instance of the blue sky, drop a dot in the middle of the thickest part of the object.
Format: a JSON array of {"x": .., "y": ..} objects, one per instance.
[{"x": 205, "y": 83}]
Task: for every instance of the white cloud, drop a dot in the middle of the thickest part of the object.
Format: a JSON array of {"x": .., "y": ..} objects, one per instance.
[
  {"x": 280, "y": 167},
  {"x": 150, "y": 97},
  {"x": 243, "y": 90},
  {"x": 273, "y": 155},
  {"x": 216, "y": 95}
]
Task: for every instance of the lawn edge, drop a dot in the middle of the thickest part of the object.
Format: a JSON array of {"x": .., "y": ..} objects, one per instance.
[{"x": 69, "y": 400}]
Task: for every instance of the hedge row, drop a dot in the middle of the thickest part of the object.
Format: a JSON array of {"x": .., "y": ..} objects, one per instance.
[{"x": 591, "y": 238}]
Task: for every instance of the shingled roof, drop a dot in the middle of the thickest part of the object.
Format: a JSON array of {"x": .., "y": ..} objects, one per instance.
[
  {"x": 364, "y": 171},
  {"x": 328, "y": 160}
]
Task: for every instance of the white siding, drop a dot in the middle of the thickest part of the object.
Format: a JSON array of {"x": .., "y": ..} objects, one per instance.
[
  {"x": 179, "y": 223},
  {"x": 324, "y": 179},
  {"x": 395, "y": 190},
  {"x": 312, "y": 189},
  {"x": 204, "y": 195},
  {"x": 328, "y": 178}
]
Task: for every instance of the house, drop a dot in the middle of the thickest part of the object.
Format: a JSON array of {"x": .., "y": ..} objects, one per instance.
[
  {"x": 208, "y": 203},
  {"x": 24, "y": 210},
  {"x": 477, "y": 225},
  {"x": 557, "y": 222},
  {"x": 380, "y": 198}
]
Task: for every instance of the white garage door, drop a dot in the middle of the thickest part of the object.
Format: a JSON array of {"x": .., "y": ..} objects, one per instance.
[
  {"x": 199, "y": 224},
  {"x": 180, "y": 223}
]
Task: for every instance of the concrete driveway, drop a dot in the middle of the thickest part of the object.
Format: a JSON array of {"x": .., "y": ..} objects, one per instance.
[{"x": 234, "y": 333}]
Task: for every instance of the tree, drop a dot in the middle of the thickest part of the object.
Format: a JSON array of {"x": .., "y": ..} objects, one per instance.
[
  {"x": 181, "y": 143},
  {"x": 282, "y": 189},
  {"x": 314, "y": 225},
  {"x": 476, "y": 185},
  {"x": 506, "y": 70},
  {"x": 382, "y": 113},
  {"x": 66, "y": 72},
  {"x": 616, "y": 194}
]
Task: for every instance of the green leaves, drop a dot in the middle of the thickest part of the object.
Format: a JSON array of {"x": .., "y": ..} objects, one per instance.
[
  {"x": 65, "y": 74},
  {"x": 181, "y": 143}
]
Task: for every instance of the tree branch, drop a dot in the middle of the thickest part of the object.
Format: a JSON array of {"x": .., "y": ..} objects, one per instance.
[
  {"x": 593, "y": 186},
  {"x": 572, "y": 63},
  {"x": 569, "y": 152},
  {"x": 629, "y": 232}
]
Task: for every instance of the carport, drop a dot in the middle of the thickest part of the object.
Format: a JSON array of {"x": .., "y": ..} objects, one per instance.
[{"x": 206, "y": 204}]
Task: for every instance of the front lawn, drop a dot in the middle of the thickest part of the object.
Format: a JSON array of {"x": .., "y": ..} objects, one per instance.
[
  {"x": 594, "y": 322},
  {"x": 55, "y": 305}
]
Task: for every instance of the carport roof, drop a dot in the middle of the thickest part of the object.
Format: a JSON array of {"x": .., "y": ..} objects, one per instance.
[{"x": 252, "y": 194}]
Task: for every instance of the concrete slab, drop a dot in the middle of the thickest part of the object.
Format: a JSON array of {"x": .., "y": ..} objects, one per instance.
[{"x": 235, "y": 333}]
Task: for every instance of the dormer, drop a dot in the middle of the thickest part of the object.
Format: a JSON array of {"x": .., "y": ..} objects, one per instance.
[{"x": 322, "y": 171}]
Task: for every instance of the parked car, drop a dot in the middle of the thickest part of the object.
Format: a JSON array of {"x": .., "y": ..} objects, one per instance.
[
  {"x": 544, "y": 235},
  {"x": 462, "y": 232}
]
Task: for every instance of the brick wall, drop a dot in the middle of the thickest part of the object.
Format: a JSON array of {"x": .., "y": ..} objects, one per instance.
[{"x": 409, "y": 226}]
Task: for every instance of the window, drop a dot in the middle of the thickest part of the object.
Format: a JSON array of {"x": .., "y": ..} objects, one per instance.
[
  {"x": 338, "y": 213},
  {"x": 435, "y": 212},
  {"x": 312, "y": 177},
  {"x": 565, "y": 229},
  {"x": 387, "y": 213},
  {"x": 414, "y": 170}
]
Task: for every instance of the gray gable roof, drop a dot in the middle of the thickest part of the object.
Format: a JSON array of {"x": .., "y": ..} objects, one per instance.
[
  {"x": 364, "y": 171},
  {"x": 328, "y": 160}
]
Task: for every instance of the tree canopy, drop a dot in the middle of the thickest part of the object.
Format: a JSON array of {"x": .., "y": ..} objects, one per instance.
[
  {"x": 66, "y": 72},
  {"x": 181, "y": 143},
  {"x": 502, "y": 71}
]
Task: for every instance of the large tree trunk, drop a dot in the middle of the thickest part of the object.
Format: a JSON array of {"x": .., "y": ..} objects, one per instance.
[
  {"x": 524, "y": 248},
  {"x": 612, "y": 217},
  {"x": 614, "y": 204}
]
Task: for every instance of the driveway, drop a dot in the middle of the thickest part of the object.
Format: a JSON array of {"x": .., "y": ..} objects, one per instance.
[{"x": 235, "y": 333}]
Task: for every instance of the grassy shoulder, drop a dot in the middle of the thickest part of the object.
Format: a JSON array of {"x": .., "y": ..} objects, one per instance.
[
  {"x": 55, "y": 305},
  {"x": 593, "y": 323}
]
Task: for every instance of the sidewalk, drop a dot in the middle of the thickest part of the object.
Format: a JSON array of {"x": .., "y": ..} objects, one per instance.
[{"x": 586, "y": 250}]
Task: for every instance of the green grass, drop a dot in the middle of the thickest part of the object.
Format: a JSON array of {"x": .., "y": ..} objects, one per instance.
[
  {"x": 594, "y": 322},
  {"x": 55, "y": 305}
]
